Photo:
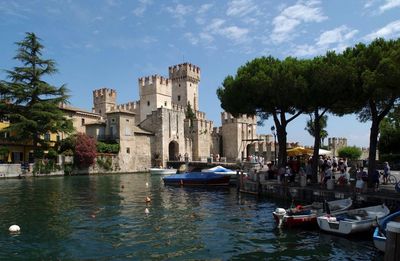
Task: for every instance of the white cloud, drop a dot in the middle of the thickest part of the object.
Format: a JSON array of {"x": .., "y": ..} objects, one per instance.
[
  {"x": 336, "y": 39},
  {"x": 292, "y": 16},
  {"x": 204, "y": 8},
  {"x": 389, "y": 4},
  {"x": 201, "y": 13},
  {"x": 391, "y": 30},
  {"x": 338, "y": 35},
  {"x": 179, "y": 12},
  {"x": 241, "y": 8},
  {"x": 191, "y": 38},
  {"x": 142, "y": 7}
]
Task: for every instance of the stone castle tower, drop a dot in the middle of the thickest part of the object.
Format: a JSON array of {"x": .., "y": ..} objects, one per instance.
[
  {"x": 104, "y": 100},
  {"x": 238, "y": 136},
  {"x": 155, "y": 92},
  {"x": 335, "y": 144},
  {"x": 185, "y": 84}
]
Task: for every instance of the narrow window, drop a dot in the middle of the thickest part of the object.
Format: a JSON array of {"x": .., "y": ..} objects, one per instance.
[
  {"x": 82, "y": 122},
  {"x": 128, "y": 150},
  {"x": 165, "y": 104},
  {"x": 148, "y": 103},
  {"x": 179, "y": 97}
]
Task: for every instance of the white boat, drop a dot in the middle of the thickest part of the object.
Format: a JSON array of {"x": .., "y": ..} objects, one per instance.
[
  {"x": 307, "y": 215},
  {"x": 379, "y": 236},
  {"x": 223, "y": 171},
  {"x": 161, "y": 171},
  {"x": 353, "y": 221}
]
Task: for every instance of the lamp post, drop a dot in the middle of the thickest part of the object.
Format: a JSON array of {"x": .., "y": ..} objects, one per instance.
[{"x": 274, "y": 133}]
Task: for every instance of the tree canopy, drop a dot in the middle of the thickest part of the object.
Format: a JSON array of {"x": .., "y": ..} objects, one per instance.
[
  {"x": 32, "y": 105},
  {"x": 364, "y": 79}
]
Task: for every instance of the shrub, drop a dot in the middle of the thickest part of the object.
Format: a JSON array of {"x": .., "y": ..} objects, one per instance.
[
  {"x": 85, "y": 151},
  {"x": 352, "y": 153},
  {"x": 107, "y": 147}
]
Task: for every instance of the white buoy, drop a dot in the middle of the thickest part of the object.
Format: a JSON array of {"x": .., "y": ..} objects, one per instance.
[
  {"x": 146, "y": 211},
  {"x": 14, "y": 228},
  {"x": 147, "y": 185},
  {"x": 148, "y": 199}
]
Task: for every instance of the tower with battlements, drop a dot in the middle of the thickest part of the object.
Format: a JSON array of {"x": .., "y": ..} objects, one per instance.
[
  {"x": 185, "y": 80},
  {"x": 155, "y": 92},
  {"x": 104, "y": 100},
  {"x": 238, "y": 136}
]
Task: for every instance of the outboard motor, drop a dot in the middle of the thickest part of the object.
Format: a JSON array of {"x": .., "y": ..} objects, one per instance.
[{"x": 280, "y": 214}]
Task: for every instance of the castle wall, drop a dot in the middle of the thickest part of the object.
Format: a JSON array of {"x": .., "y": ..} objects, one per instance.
[
  {"x": 168, "y": 128},
  {"x": 201, "y": 136}
]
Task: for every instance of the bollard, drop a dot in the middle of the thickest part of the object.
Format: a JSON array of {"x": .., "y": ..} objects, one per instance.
[
  {"x": 237, "y": 181},
  {"x": 392, "y": 250}
]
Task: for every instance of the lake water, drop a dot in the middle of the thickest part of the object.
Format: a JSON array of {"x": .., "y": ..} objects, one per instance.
[{"x": 103, "y": 218}]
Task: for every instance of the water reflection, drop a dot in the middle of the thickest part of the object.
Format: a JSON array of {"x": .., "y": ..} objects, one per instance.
[{"x": 102, "y": 217}]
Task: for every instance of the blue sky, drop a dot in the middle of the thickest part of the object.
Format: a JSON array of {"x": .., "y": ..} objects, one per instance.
[{"x": 111, "y": 43}]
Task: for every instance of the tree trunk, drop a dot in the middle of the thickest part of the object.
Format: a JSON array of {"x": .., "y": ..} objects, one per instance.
[
  {"x": 373, "y": 142},
  {"x": 317, "y": 143},
  {"x": 282, "y": 140}
]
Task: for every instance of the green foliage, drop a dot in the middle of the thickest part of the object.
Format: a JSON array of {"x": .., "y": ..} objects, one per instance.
[
  {"x": 104, "y": 163},
  {"x": 391, "y": 158},
  {"x": 66, "y": 145},
  {"x": 107, "y": 148},
  {"x": 310, "y": 126},
  {"x": 32, "y": 104},
  {"x": 68, "y": 168},
  {"x": 351, "y": 153},
  {"x": 390, "y": 133},
  {"x": 52, "y": 154},
  {"x": 4, "y": 151},
  {"x": 38, "y": 153},
  {"x": 45, "y": 167}
]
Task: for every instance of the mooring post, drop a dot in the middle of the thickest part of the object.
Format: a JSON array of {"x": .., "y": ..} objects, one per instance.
[
  {"x": 237, "y": 181},
  {"x": 392, "y": 250}
]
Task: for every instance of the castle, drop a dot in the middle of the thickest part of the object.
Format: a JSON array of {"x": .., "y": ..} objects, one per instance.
[{"x": 157, "y": 129}]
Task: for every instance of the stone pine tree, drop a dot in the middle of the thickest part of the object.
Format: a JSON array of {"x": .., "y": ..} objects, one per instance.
[
  {"x": 329, "y": 80},
  {"x": 377, "y": 67},
  {"x": 266, "y": 87},
  {"x": 33, "y": 104}
]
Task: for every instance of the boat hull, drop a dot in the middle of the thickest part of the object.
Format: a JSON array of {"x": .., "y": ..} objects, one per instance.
[
  {"x": 297, "y": 220},
  {"x": 197, "y": 179},
  {"x": 379, "y": 236},
  {"x": 308, "y": 215},
  {"x": 343, "y": 224}
]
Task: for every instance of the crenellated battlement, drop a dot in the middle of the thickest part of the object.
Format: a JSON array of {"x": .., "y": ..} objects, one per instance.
[
  {"x": 186, "y": 71},
  {"x": 226, "y": 117},
  {"x": 104, "y": 93},
  {"x": 130, "y": 106},
  {"x": 177, "y": 107},
  {"x": 153, "y": 79}
]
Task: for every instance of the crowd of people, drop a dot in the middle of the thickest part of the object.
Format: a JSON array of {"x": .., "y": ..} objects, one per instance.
[{"x": 328, "y": 169}]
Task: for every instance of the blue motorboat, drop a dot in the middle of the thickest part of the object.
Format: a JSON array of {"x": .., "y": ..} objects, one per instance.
[
  {"x": 197, "y": 179},
  {"x": 379, "y": 236}
]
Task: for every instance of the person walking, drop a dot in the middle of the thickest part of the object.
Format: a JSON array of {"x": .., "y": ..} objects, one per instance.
[{"x": 386, "y": 172}]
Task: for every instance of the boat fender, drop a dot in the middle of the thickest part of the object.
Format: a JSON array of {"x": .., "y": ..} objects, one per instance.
[
  {"x": 280, "y": 211},
  {"x": 14, "y": 228}
]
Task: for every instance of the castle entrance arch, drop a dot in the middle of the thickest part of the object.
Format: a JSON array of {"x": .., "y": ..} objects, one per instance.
[
  {"x": 173, "y": 150},
  {"x": 250, "y": 150}
]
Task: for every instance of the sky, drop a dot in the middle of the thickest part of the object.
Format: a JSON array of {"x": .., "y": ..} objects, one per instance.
[{"x": 111, "y": 43}]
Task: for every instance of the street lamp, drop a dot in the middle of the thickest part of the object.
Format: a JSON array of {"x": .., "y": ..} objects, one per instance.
[{"x": 274, "y": 133}]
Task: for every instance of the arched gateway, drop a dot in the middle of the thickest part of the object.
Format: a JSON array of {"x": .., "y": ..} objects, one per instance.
[{"x": 173, "y": 150}]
